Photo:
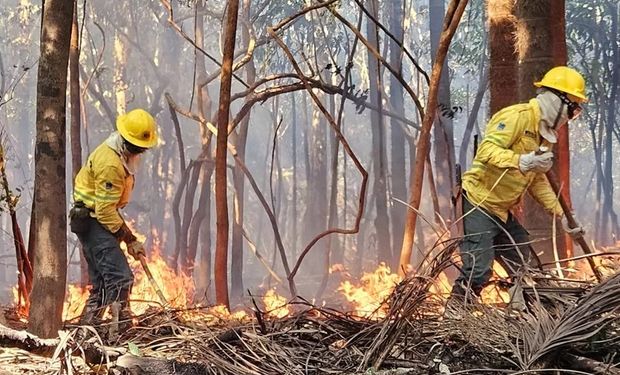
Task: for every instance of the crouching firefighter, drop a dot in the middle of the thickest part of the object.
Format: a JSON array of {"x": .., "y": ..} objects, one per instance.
[
  {"x": 512, "y": 159},
  {"x": 102, "y": 187}
]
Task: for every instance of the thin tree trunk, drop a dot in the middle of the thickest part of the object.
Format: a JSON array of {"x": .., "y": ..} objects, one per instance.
[
  {"x": 236, "y": 265},
  {"x": 221, "y": 201},
  {"x": 443, "y": 129},
  {"x": 50, "y": 226},
  {"x": 610, "y": 219},
  {"x": 294, "y": 162},
  {"x": 451, "y": 22},
  {"x": 382, "y": 222},
  {"x": 473, "y": 115},
  {"x": 76, "y": 142},
  {"x": 398, "y": 170}
]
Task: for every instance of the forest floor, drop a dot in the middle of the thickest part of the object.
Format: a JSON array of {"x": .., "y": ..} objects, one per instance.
[{"x": 559, "y": 324}]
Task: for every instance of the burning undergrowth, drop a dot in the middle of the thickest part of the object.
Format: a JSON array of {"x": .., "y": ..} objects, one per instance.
[{"x": 565, "y": 324}]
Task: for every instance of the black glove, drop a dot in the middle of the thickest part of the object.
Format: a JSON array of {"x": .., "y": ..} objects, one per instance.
[{"x": 124, "y": 234}]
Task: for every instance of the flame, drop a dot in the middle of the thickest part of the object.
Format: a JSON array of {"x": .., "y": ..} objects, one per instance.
[
  {"x": 276, "y": 305},
  {"x": 492, "y": 294},
  {"x": 178, "y": 289},
  {"x": 369, "y": 296}
]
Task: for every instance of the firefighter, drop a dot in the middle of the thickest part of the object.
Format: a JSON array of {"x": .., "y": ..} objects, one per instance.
[
  {"x": 513, "y": 158},
  {"x": 101, "y": 188}
]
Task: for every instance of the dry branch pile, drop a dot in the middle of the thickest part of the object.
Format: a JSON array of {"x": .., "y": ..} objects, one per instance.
[{"x": 566, "y": 325}]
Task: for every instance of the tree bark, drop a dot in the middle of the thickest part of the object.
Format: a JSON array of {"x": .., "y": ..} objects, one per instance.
[
  {"x": 221, "y": 202},
  {"x": 503, "y": 57},
  {"x": 50, "y": 257},
  {"x": 451, "y": 22}
]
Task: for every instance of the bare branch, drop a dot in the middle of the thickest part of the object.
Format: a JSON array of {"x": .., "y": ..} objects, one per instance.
[{"x": 347, "y": 148}]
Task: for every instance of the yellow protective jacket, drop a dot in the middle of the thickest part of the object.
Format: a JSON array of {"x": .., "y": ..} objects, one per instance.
[
  {"x": 494, "y": 180},
  {"x": 104, "y": 185}
]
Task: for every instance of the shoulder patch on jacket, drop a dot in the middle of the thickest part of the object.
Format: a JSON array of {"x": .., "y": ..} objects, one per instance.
[
  {"x": 530, "y": 134},
  {"x": 108, "y": 185},
  {"x": 501, "y": 126}
]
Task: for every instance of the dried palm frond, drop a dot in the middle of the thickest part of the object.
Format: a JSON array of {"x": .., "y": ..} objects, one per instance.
[
  {"x": 404, "y": 304},
  {"x": 542, "y": 334}
]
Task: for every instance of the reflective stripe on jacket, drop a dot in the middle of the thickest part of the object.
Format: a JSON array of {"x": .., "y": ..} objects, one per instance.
[
  {"x": 494, "y": 180},
  {"x": 104, "y": 185}
]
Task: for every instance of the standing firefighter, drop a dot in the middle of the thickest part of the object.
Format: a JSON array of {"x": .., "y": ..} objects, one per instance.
[
  {"x": 102, "y": 187},
  {"x": 513, "y": 158}
]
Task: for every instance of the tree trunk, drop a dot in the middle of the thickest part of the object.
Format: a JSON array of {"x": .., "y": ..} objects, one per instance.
[
  {"x": 50, "y": 226},
  {"x": 236, "y": 266},
  {"x": 540, "y": 26},
  {"x": 503, "y": 57},
  {"x": 610, "y": 219},
  {"x": 451, "y": 22},
  {"x": 398, "y": 170},
  {"x": 384, "y": 249},
  {"x": 76, "y": 142},
  {"x": 294, "y": 209},
  {"x": 443, "y": 128},
  {"x": 221, "y": 202}
]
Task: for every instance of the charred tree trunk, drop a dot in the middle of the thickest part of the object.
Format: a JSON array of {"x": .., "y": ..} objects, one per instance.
[
  {"x": 50, "y": 223},
  {"x": 221, "y": 201},
  {"x": 443, "y": 128},
  {"x": 384, "y": 249}
]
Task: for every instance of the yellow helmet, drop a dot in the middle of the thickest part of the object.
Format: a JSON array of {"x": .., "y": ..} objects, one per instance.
[
  {"x": 566, "y": 80},
  {"x": 138, "y": 127}
]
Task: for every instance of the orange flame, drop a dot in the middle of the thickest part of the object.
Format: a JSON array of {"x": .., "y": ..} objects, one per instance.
[
  {"x": 369, "y": 296},
  {"x": 276, "y": 305},
  {"x": 178, "y": 289}
]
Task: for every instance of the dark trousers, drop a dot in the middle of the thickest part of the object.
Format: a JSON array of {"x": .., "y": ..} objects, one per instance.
[
  {"x": 488, "y": 238},
  {"x": 108, "y": 270}
]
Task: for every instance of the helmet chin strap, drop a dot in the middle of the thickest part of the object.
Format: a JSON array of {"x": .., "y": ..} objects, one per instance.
[{"x": 558, "y": 116}]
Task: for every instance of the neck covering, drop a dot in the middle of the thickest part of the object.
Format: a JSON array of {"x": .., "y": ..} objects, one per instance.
[
  {"x": 117, "y": 143},
  {"x": 553, "y": 114}
]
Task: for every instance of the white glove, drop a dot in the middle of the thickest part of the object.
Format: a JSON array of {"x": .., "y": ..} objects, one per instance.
[
  {"x": 576, "y": 232},
  {"x": 536, "y": 163}
]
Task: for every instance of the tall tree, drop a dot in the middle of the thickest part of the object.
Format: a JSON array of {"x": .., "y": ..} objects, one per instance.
[
  {"x": 450, "y": 23},
  {"x": 76, "y": 115},
  {"x": 540, "y": 26},
  {"x": 236, "y": 265},
  {"x": 443, "y": 128},
  {"x": 398, "y": 170},
  {"x": 50, "y": 255},
  {"x": 382, "y": 223},
  {"x": 221, "y": 202}
]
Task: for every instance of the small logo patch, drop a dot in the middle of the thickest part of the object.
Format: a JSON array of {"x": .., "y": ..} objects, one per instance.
[
  {"x": 530, "y": 134},
  {"x": 501, "y": 126},
  {"x": 108, "y": 185}
]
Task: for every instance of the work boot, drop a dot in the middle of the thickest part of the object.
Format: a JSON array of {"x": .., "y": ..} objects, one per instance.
[{"x": 92, "y": 314}]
